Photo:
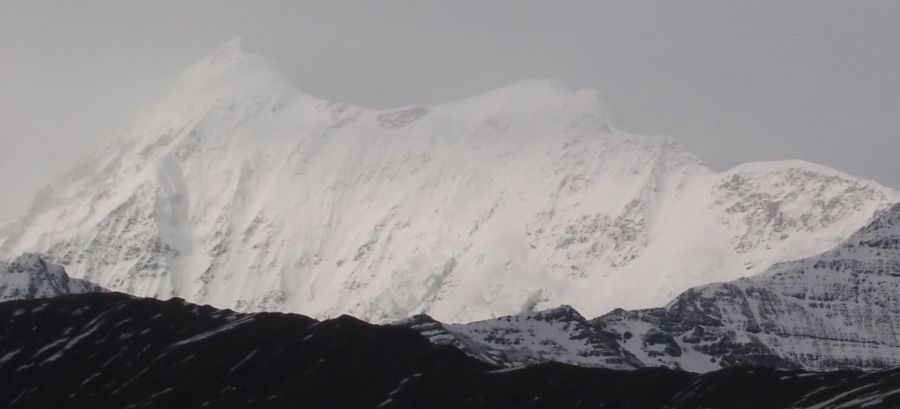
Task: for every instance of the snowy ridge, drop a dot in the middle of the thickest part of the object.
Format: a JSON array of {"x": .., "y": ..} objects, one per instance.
[
  {"x": 240, "y": 191},
  {"x": 837, "y": 310},
  {"x": 29, "y": 276},
  {"x": 557, "y": 335}
]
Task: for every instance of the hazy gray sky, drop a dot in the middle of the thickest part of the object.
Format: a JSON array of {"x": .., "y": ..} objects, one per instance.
[{"x": 733, "y": 81}]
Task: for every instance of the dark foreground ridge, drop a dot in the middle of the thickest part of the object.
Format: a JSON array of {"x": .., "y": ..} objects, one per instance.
[{"x": 112, "y": 350}]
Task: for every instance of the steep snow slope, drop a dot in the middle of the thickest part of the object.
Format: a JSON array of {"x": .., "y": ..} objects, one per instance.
[
  {"x": 837, "y": 310},
  {"x": 28, "y": 276},
  {"x": 240, "y": 191}
]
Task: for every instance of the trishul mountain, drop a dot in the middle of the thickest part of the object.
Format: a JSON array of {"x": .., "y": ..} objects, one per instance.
[{"x": 238, "y": 190}]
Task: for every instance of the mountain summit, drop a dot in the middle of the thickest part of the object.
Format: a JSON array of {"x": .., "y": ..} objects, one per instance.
[
  {"x": 238, "y": 190},
  {"x": 29, "y": 276}
]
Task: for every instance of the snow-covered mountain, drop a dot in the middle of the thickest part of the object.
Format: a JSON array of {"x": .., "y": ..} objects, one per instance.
[
  {"x": 836, "y": 310},
  {"x": 238, "y": 190},
  {"x": 29, "y": 276},
  {"x": 554, "y": 335}
]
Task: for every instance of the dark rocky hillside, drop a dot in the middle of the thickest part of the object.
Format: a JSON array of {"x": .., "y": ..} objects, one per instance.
[{"x": 110, "y": 350}]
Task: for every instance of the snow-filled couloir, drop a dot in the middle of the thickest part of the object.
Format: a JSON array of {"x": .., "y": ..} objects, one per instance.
[{"x": 238, "y": 190}]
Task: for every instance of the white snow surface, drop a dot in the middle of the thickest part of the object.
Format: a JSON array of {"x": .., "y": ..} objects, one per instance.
[{"x": 238, "y": 190}]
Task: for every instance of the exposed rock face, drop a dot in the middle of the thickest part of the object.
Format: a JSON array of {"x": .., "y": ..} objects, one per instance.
[
  {"x": 557, "y": 335},
  {"x": 238, "y": 190},
  {"x": 29, "y": 276}
]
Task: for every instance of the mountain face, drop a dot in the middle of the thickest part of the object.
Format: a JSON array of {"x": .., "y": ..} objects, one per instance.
[
  {"x": 836, "y": 310},
  {"x": 840, "y": 309},
  {"x": 238, "y": 190},
  {"x": 556, "y": 335},
  {"x": 29, "y": 276},
  {"x": 112, "y": 350}
]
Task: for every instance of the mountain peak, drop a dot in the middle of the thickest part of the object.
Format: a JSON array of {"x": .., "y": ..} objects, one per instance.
[
  {"x": 30, "y": 276},
  {"x": 230, "y": 67},
  {"x": 239, "y": 191},
  {"x": 232, "y": 49},
  {"x": 230, "y": 83},
  {"x": 564, "y": 312}
]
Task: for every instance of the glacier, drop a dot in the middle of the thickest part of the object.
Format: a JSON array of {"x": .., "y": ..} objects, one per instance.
[{"x": 238, "y": 190}]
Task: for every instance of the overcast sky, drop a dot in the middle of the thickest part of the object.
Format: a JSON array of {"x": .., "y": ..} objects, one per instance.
[{"x": 733, "y": 81}]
